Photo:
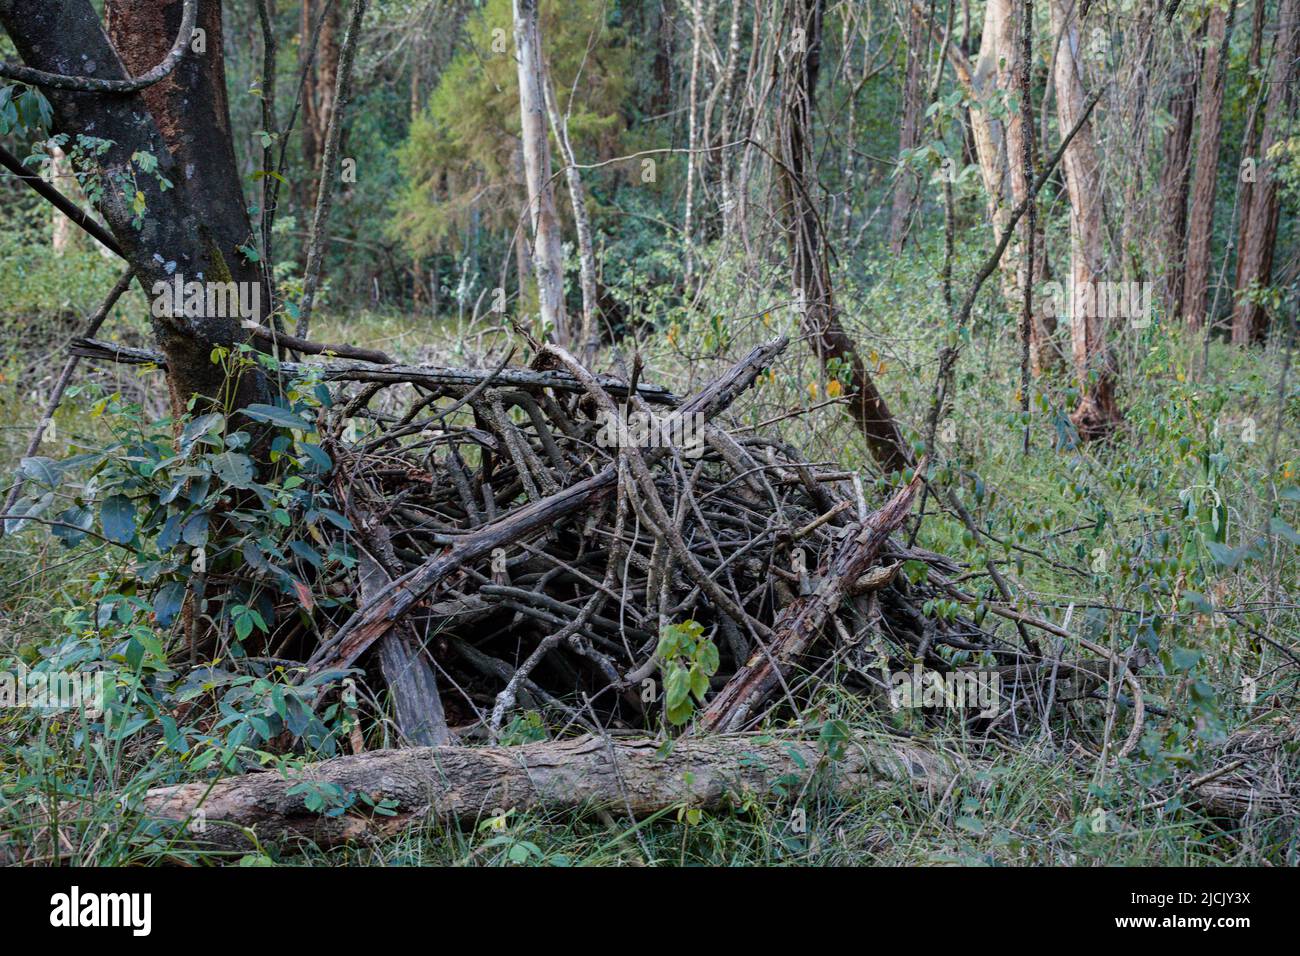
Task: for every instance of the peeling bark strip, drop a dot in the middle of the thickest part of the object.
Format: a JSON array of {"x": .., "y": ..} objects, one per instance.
[
  {"x": 468, "y": 783},
  {"x": 375, "y": 619},
  {"x": 801, "y": 621},
  {"x": 409, "y": 676}
]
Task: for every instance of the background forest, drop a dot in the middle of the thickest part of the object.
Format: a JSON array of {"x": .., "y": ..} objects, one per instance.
[{"x": 1047, "y": 247}]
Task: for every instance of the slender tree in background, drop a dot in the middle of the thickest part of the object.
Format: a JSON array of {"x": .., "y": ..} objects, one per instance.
[
  {"x": 318, "y": 88},
  {"x": 989, "y": 132},
  {"x": 1260, "y": 220},
  {"x": 800, "y": 63},
  {"x": 1209, "y": 107},
  {"x": 1094, "y": 369},
  {"x": 1175, "y": 180},
  {"x": 1030, "y": 258},
  {"x": 61, "y": 176},
  {"x": 548, "y": 256},
  {"x": 696, "y": 11},
  {"x": 907, "y": 182},
  {"x": 726, "y": 91},
  {"x": 1020, "y": 131},
  {"x": 1250, "y": 141},
  {"x": 330, "y": 171},
  {"x": 589, "y": 334},
  {"x": 984, "y": 82}
]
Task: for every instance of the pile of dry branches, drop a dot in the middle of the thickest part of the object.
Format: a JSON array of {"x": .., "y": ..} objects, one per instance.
[{"x": 515, "y": 550}]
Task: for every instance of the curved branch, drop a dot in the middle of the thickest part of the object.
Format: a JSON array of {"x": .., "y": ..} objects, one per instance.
[{"x": 90, "y": 84}]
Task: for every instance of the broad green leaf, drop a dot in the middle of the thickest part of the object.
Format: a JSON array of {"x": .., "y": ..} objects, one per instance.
[
  {"x": 117, "y": 518},
  {"x": 677, "y": 685},
  {"x": 80, "y": 518},
  {"x": 46, "y": 471},
  {"x": 167, "y": 602},
  {"x": 276, "y": 416},
  {"x": 200, "y": 427},
  {"x": 233, "y": 468},
  {"x": 708, "y": 658},
  {"x": 1280, "y": 527},
  {"x": 699, "y": 683}
]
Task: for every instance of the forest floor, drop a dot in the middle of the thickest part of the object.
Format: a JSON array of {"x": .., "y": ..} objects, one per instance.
[{"x": 1074, "y": 526}]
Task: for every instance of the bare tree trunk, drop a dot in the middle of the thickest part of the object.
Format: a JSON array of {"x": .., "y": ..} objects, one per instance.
[
  {"x": 796, "y": 173},
  {"x": 589, "y": 336},
  {"x": 1249, "y": 319},
  {"x": 1250, "y": 142},
  {"x": 992, "y": 74},
  {"x": 727, "y": 87},
  {"x": 1196, "y": 283},
  {"x": 692, "y": 125},
  {"x": 980, "y": 81},
  {"x": 418, "y": 290},
  {"x": 548, "y": 256},
  {"x": 318, "y": 91},
  {"x": 266, "y": 201},
  {"x": 1098, "y": 412},
  {"x": 906, "y": 184},
  {"x": 662, "y": 67},
  {"x": 1175, "y": 184},
  {"x": 1022, "y": 156},
  {"x": 1130, "y": 158},
  {"x": 61, "y": 176},
  {"x": 329, "y": 170},
  {"x": 196, "y": 225},
  {"x": 1036, "y": 329}
]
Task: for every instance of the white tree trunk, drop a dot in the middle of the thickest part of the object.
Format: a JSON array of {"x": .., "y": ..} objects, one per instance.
[
  {"x": 692, "y": 122},
  {"x": 589, "y": 337},
  {"x": 989, "y": 77},
  {"x": 548, "y": 256}
]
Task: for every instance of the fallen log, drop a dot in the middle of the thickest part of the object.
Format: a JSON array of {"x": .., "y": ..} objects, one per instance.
[
  {"x": 466, "y": 784},
  {"x": 636, "y": 776}
]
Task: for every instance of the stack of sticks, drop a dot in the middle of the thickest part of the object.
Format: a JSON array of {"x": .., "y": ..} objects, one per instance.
[{"x": 525, "y": 535}]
